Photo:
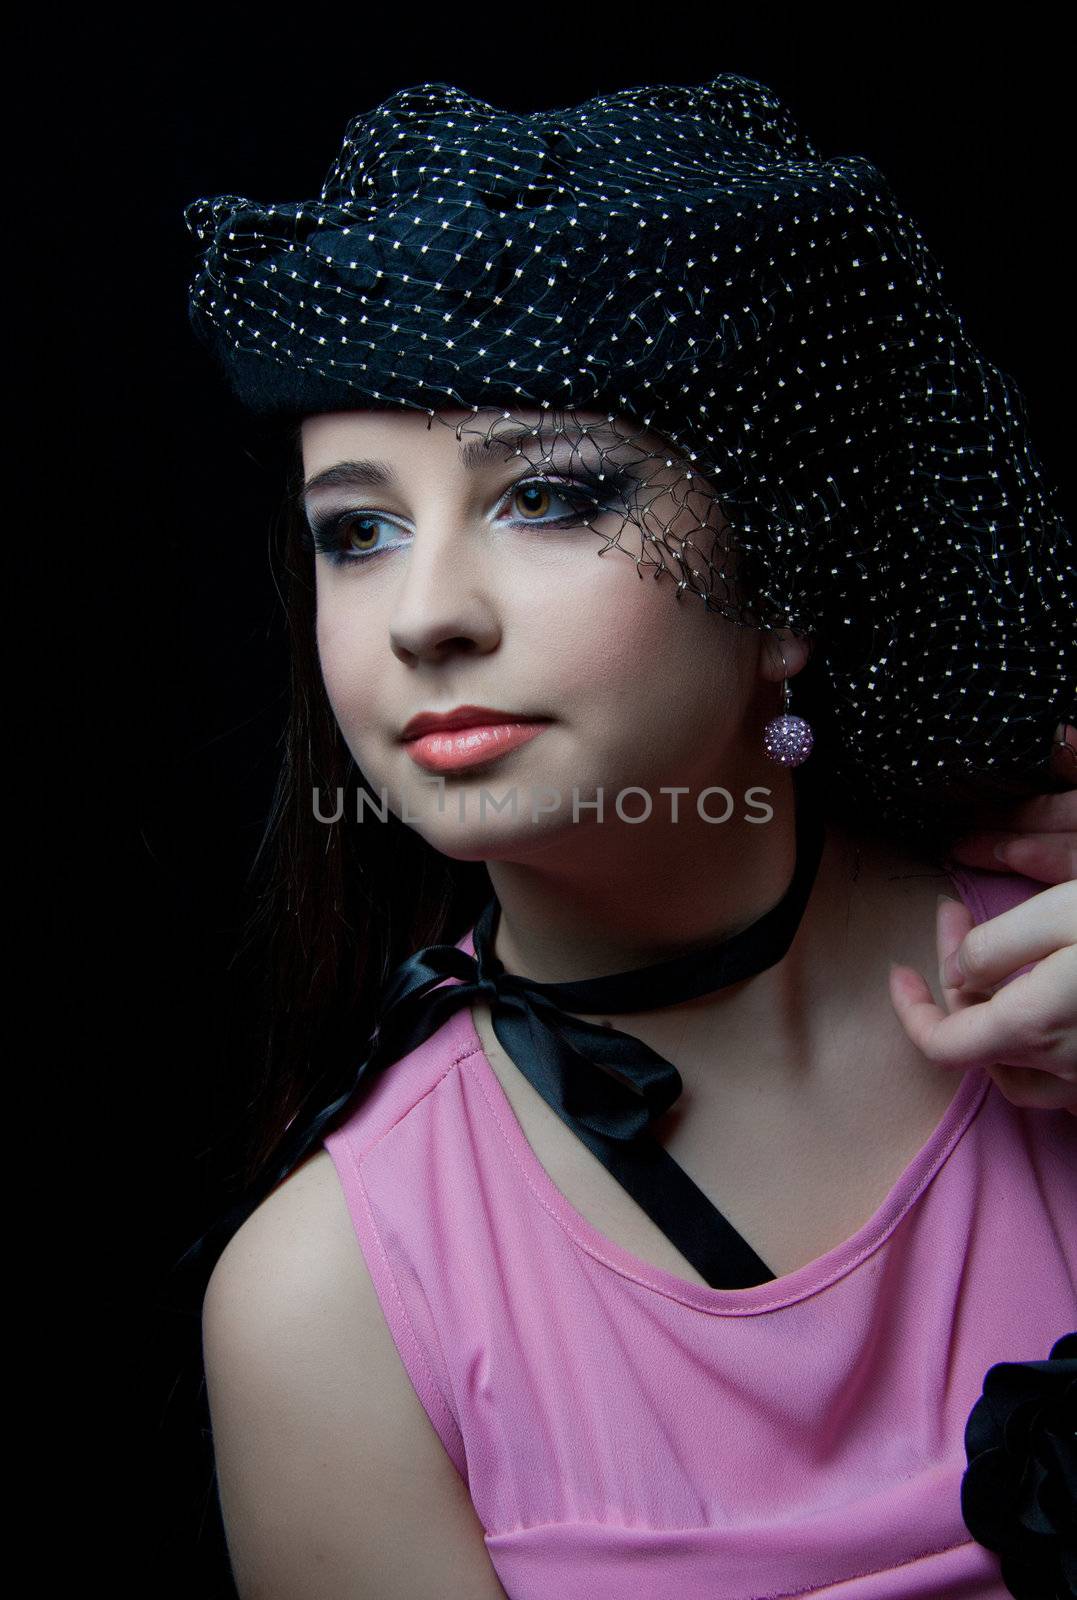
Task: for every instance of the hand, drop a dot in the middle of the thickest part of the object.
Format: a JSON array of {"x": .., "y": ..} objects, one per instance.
[
  {"x": 1039, "y": 836},
  {"x": 1021, "y": 1027}
]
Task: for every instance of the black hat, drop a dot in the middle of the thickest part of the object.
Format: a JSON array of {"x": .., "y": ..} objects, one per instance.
[{"x": 684, "y": 256}]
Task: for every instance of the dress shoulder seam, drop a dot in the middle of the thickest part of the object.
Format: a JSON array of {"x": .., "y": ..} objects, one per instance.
[{"x": 348, "y": 1130}]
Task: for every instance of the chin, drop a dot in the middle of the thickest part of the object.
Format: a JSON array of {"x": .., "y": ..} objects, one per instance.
[{"x": 491, "y": 839}]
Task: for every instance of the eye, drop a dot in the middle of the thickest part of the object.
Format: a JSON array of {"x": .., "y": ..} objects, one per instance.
[
  {"x": 351, "y": 537},
  {"x": 363, "y": 540},
  {"x": 535, "y": 497}
]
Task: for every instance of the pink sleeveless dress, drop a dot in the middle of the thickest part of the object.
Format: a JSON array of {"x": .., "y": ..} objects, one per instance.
[{"x": 626, "y": 1434}]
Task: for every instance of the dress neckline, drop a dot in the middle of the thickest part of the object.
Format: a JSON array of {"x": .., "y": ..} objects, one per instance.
[{"x": 778, "y": 1292}]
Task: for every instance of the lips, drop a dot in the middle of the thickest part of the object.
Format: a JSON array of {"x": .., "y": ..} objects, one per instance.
[
  {"x": 455, "y": 749},
  {"x": 466, "y": 717}
]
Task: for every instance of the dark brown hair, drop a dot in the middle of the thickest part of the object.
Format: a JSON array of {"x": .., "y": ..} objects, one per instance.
[{"x": 337, "y": 906}]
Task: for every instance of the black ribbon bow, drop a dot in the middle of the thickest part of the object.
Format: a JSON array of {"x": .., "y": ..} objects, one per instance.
[
  {"x": 607, "y": 1086},
  {"x": 570, "y": 1062}
]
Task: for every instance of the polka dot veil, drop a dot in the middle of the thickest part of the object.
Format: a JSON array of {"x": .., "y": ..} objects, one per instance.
[{"x": 721, "y": 354}]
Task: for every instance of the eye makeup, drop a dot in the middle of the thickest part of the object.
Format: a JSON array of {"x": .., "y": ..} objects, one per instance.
[{"x": 584, "y": 491}]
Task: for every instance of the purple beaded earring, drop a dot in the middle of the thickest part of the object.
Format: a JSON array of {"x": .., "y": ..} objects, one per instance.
[{"x": 787, "y": 739}]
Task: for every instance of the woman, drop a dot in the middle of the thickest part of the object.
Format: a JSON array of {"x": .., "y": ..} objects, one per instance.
[{"x": 716, "y": 1326}]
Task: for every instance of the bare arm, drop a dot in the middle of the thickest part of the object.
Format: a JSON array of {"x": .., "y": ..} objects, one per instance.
[{"x": 334, "y": 1484}]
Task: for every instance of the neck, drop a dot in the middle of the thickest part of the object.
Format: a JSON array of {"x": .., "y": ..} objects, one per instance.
[
  {"x": 622, "y": 895},
  {"x": 871, "y": 902}
]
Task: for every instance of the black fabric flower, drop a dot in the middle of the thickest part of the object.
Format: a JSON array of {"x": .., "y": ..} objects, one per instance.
[{"x": 1019, "y": 1491}]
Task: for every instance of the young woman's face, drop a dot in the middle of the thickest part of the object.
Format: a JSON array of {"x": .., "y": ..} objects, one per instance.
[{"x": 486, "y": 588}]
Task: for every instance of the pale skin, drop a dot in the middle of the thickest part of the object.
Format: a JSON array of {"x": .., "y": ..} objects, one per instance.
[
  {"x": 333, "y": 1482},
  {"x": 1022, "y": 1033}
]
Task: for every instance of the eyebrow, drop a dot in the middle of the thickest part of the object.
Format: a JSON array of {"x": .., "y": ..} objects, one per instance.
[{"x": 474, "y": 456}]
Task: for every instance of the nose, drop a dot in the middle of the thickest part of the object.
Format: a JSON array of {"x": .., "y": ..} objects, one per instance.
[{"x": 443, "y": 603}]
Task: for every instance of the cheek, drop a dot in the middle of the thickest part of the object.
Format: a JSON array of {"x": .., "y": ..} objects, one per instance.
[
  {"x": 643, "y": 670},
  {"x": 635, "y": 632},
  {"x": 343, "y": 646},
  {"x": 595, "y": 634}
]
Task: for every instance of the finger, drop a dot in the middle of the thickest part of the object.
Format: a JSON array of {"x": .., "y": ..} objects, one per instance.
[
  {"x": 1051, "y": 813},
  {"x": 1040, "y": 1091},
  {"x": 931, "y": 1029},
  {"x": 1041, "y": 813},
  {"x": 915, "y": 1005},
  {"x": 1024, "y": 1024},
  {"x": 953, "y": 921},
  {"x": 995, "y": 951},
  {"x": 1064, "y": 754},
  {"x": 1047, "y": 857}
]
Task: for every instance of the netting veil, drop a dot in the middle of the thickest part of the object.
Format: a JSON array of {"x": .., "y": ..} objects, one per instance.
[{"x": 729, "y": 355}]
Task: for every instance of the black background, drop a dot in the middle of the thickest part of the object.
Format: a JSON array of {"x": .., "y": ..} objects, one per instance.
[{"x": 154, "y": 634}]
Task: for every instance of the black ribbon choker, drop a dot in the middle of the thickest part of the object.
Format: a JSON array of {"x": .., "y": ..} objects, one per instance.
[
  {"x": 569, "y": 1062},
  {"x": 564, "y": 1058}
]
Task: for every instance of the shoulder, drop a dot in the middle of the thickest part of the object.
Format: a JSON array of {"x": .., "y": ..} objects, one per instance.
[
  {"x": 303, "y": 1208},
  {"x": 329, "y": 1469},
  {"x": 290, "y": 1315},
  {"x": 295, "y": 1251}
]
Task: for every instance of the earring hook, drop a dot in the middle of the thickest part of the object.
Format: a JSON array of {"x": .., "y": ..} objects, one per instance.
[{"x": 785, "y": 680}]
